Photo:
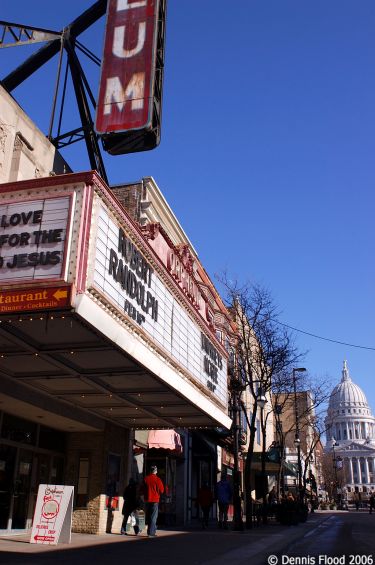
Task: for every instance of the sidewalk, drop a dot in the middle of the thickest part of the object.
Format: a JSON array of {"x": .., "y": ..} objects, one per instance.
[{"x": 181, "y": 546}]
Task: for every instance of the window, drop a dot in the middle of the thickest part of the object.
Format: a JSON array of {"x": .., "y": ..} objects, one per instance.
[
  {"x": 51, "y": 439},
  {"x": 258, "y": 431},
  {"x": 19, "y": 430},
  {"x": 83, "y": 482}
]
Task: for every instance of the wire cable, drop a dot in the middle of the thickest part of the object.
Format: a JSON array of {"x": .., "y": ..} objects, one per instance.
[{"x": 325, "y": 338}]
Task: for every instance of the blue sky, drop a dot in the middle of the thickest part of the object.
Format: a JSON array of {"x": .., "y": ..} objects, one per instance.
[{"x": 267, "y": 152}]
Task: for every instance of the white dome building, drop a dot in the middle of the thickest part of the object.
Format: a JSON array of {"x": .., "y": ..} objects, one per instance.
[{"x": 350, "y": 427}]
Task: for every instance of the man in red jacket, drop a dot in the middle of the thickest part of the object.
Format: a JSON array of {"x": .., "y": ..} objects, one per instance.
[{"x": 153, "y": 488}]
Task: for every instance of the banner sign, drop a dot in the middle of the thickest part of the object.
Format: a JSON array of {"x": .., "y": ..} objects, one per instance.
[
  {"x": 31, "y": 299},
  {"x": 52, "y": 521}
]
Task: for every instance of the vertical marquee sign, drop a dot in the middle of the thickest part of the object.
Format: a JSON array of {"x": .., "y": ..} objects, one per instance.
[{"x": 129, "y": 103}]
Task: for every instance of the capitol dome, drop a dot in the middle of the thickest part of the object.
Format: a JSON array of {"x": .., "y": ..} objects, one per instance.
[
  {"x": 347, "y": 395},
  {"x": 349, "y": 416}
]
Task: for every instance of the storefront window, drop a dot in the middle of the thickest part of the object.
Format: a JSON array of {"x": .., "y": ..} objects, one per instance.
[
  {"x": 57, "y": 471},
  {"x": 52, "y": 440},
  {"x": 19, "y": 430},
  {"x": 113, "y": 481},
  {"x": 83, "y": 482}
]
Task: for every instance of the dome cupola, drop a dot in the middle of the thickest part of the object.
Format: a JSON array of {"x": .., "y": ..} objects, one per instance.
[
  {"x": 347, "y": 395},
  {"x": 349, "y": 416}
]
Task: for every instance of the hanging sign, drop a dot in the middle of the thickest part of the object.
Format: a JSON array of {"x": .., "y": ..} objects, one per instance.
[
  {"x": 129, "y": 105},
  {"x": 31, "y": 299},
  {"x": 52, "y": 521}
]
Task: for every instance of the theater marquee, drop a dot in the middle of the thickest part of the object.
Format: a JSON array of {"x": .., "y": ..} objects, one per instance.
[{"x": 127, "y": 279}]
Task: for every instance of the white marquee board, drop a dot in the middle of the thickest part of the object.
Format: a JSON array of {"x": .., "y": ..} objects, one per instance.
[
  {"x": 173, "y": 328},
  {"x": 34, "y": 239}
]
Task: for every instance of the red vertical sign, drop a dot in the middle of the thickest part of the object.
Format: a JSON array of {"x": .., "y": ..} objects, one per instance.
[{"x": 128, "y": 67}]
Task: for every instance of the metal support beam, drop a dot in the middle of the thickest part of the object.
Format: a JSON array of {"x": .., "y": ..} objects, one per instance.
[
  {"x": 43, "y": 55},
  {"x": 91, "y": 138},
  {"x": 12, "y": 35}
]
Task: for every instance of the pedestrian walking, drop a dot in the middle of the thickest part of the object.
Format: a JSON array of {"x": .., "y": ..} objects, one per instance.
[
  {"x": 153, "y": 488},
  {"x": 372, "y": 502},
  {"x": 205, "y": 499},
  {"x": 291, "y": 509},
  {"x": 356, "y": 500},
  {"x": 132, "y": 504},
  {"x": 223, "y": 493},
  {"x": 272, "y": 497}
]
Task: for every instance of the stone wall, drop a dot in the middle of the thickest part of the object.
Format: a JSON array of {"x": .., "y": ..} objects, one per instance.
[{"x": 25, "y": 152}]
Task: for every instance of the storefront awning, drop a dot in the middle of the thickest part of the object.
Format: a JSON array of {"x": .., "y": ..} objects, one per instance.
[
  {"x": 272, "y": 467},
  {"x": 165, "y": 439}
]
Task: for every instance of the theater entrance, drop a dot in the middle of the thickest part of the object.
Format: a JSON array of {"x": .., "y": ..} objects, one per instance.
[{"x": 23, "y": 467}]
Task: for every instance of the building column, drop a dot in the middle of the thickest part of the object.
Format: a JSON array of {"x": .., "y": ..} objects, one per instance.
[
  {"x": 359, "y": 472},
  {"x": 367, "y": 471},
  {"x": 351, "y": 477}
]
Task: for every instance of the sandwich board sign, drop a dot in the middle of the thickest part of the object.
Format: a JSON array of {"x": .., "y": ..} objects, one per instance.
[{"x": 52, "y": 521}]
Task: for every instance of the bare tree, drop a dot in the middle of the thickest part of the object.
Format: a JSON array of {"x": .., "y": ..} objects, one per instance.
[
  {"x": 334, "y": 474},
  {"x": 264, "y": 352},
  {"x": 310, "y": 396}
]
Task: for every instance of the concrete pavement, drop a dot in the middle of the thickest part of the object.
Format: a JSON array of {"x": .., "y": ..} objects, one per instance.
[{"x": 173, "y": 546}]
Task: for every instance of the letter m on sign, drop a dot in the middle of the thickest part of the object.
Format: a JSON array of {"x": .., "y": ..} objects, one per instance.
[{"x": 127, "y": 89}]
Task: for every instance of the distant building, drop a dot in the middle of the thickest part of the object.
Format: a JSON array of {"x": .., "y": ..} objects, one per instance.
[
  {"x": 351, "y": 437},
  {"x": 290, "y": 408}
]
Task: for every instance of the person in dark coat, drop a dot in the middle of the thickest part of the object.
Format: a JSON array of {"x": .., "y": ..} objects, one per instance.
[
  {"x": 205, "y": 499},
  {"x": 223, "y": 493},
  {"x": 372, "y": 502},
  {"x": 131, "y": 504}
]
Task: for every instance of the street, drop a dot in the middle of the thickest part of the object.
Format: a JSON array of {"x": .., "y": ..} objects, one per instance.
[
  {"x": 345, "y": 534},
  {"x": 325, "y": 539}
]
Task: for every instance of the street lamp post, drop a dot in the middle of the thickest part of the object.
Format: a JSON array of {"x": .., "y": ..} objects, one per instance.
[
  {"x": 261, "y": 402},
  {"x": 297, "y": 439},
  {"x": 237, "y": 388},
  {"x": 334, "y": 493}
]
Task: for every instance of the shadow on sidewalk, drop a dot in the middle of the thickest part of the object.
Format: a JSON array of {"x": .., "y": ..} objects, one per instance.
[{"x": 185, "y": 547}]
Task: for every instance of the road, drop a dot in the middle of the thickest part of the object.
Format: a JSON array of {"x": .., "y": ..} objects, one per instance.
[
  {"x": 325, "y": 539},
  {"x": 345, "y": 538}
]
